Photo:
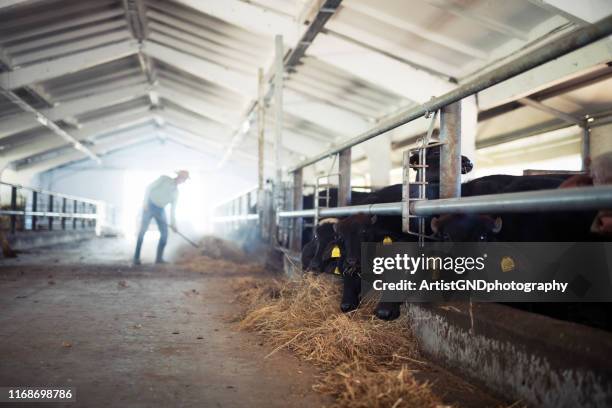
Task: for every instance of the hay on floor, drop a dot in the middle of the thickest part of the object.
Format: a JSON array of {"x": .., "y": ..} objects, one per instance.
[{"x": 365, "y": 359}]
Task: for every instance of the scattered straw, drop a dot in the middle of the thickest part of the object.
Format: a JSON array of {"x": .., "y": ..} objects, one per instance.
[
  {"x": 218, "y": 256},
  {"x": 302, "y": 315},
  {"x": 353, "y": 385}
]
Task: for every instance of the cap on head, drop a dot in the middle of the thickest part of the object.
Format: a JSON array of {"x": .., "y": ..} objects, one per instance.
[{"x": 182, "y": 174}]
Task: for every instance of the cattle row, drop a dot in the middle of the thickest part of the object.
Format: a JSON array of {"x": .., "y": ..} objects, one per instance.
[{"x": 335, "y": 246}]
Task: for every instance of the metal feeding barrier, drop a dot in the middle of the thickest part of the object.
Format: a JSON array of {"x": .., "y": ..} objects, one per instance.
[
  {"x": 27, "y": 206},
  {"x": 449, "y": 107}
]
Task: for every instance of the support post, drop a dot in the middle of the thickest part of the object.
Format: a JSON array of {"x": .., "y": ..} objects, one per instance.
[
  {"x": 64, "y": 211},
  {"x": 278, "y": 107},
  {"x": 13, "y": 208},
  {"x": 261, "y": 125},
  {"x": 405, "y": 191},
  {"x": 84, "y": 211},
  {"x": 50, "y": 209},
  {"x": 94, "y": 210},
  {"x": 296, "y": 231},
  {"x": 34, "y": 209},
  {"x": 450, "y": 151},
  {"x": 278, "y": 136},
  {"x": 344, "y": 186},
  {"x": 249, "y": 202},
  {"x": 585, "y": 150},
  {"x": 74, "y": 211}
]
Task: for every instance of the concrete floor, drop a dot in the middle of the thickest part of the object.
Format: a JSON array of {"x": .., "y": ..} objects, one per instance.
[{"x": 126, "y": 337}]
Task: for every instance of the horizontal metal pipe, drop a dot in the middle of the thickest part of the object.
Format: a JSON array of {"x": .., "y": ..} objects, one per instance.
[
  {"x": 569, "y": 199},
  {"x": 379, "y": 209},
  {"x": 548, "y": 52},
  {"x": 54, "y": 194},
  {"x": 49, "y": 214},
  {"x": 232, "y": 218}
]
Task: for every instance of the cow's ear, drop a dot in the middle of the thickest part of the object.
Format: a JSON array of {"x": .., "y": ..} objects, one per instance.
[
  {"x": 435, "y": 223},
  {"x": 497, "y": 225},
  {"x": 373, "y": 219}
]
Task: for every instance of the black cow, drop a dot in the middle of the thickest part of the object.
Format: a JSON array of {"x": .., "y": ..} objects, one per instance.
[
  {"x": 360, "y": 228},
  {"x": 355, "y": 230},
  {"x": 318, "y": 255},
  {"x": 308, "y": 202},
  {"x": 512, "y": 227},
  {"x": 572, "y": 226},
  {"x": 432, "y": 159}
]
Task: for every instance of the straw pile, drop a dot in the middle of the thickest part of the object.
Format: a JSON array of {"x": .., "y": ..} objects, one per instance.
[
  {"x": 218, "y": 256},
  {"x": 365, "y": 360}
]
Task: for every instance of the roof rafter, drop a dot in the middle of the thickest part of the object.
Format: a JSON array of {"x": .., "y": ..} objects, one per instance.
[
  {"x": 26, "y": 120},
  {"x": 53, "y": 68}
]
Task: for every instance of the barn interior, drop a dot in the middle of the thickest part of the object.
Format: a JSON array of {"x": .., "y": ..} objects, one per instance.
[{"x": 266, "y": 103}]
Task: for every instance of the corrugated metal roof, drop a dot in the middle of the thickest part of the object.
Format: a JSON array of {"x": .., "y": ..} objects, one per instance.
[{"x": 197, "y": 63}]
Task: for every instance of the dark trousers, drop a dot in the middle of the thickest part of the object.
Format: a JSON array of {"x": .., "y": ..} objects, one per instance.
[{"x": 153, "y": 211}]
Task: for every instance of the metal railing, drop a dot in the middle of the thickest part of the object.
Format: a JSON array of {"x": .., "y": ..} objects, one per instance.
[
  {"x": 35, "y": 209},
  {"x": 567, "y": 199}
]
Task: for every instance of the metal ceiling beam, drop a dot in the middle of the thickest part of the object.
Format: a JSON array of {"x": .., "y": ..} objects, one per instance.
[
  {"x": 297, "y": 51},
  {"x": 89, "y": 131},
  {"x": 393, "y": 76},
  {"x": 70, "y": 47},
  {"x": 373, "y": 10},
  {"x": 26, "y": 120},
  {"x": 203, "y": 144},
  {"x": 248, "y": 16},
  {"x": 61, "y": 24},
  {"x": 569, "y": 65},
  {"x": 45, "y": 121},
  {"x": 296, "y": 143},
  {"x": 327, "y": 9},
  {"x": 135, "y": 13},
  {"x": 57, "y": 67},
  {"x": 122, "y": 141},
  {"x": 579, "y": 12},
  {"x": 197, "y": 105},
  {"x": 480, "y": 19},
  {"x": 197, "y": 139},
  {"x": 50, "y": 40},
  {"x": 552, "y": 111},
  {"x": 237, "y": 82},
  {"x": 169, "y": 14}
]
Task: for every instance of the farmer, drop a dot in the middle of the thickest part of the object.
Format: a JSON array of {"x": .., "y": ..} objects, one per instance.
[{"x": 159, "y": 194}]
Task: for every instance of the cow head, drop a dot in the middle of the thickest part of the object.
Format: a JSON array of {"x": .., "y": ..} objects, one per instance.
[
  {"x": 352, "y": 232},
  {"x": 466, "y": 228},
  {"x": 432, "y": 158},
  {"x": 320, "y": 247}
]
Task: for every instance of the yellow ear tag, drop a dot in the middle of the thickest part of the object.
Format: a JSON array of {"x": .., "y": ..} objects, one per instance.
[
  {"x": 335, "y": 252},
  {"x": 387, "y": 240},
  {"x": 337, "y": 271}
]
